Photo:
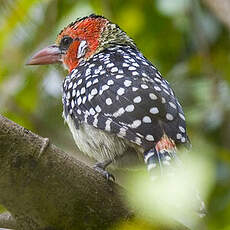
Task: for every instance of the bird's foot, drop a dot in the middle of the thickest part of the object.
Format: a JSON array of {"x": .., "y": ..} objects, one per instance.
[{"x": 100, "y": 167}]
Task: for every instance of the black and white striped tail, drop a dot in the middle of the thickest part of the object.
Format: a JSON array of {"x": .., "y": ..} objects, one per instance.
[{"x": 160, "y": 159}]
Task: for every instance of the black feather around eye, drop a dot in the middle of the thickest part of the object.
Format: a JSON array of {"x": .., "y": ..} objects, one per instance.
[{"x": 65, "y": 42}]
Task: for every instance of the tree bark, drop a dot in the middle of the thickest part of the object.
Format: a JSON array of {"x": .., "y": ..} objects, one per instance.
[{"x": 44, "y": 188}]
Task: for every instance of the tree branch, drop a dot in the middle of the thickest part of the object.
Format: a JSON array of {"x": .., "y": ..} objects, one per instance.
[
  {"x": 42, "y": 186},
  {"x": 45, "y": 188}
]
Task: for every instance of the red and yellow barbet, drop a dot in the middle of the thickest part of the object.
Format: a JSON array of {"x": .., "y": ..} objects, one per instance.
[{"x": 116, "y": 103}]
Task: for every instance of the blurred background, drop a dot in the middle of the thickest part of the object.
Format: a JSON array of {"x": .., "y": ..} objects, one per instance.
[{"x": 189, "y": 42}]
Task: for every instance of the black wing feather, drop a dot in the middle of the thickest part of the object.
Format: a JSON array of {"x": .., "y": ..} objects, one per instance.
[{"x": 118, "y": 88}]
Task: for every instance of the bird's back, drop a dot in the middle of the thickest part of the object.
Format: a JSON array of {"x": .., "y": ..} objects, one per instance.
[{"x": 119, "y": 91}]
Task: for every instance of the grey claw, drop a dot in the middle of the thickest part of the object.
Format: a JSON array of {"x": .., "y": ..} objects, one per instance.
[{"x": 104, "y": 173}]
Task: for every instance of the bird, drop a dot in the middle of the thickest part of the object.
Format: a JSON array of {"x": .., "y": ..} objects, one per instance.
[{"x": 119, "y": 108}]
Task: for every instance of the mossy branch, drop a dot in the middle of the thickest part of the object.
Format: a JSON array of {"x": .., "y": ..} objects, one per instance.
[{"x": 45, "y": 188}]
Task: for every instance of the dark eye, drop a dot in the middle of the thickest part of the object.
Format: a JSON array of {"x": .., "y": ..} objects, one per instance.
[{"x": 65, "y": 43}]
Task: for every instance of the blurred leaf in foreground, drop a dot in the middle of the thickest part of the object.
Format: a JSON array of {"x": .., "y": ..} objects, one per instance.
[{"x": 173, "y": 196}]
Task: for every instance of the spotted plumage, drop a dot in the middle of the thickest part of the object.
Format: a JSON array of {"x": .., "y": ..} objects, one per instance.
[
  {"x": 121, "y": 92},
  {"x": 117, "y": 105}
]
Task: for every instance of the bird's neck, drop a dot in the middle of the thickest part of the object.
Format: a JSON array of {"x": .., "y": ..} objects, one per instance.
[{"x": 112, "y": 35}]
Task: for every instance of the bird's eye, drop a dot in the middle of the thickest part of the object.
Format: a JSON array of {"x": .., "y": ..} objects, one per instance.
[{"x": 65, "y": 43}]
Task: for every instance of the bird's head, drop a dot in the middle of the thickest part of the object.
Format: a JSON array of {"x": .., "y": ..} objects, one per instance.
[{"x": 80, "y": 40}]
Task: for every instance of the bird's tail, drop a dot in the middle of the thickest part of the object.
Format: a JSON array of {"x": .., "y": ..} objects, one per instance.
[
  {"x": 162, "y": 160},
  {"x": 161, "y": 156}
]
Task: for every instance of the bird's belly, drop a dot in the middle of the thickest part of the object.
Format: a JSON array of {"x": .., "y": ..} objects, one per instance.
[{"x": 103, "y": 146}]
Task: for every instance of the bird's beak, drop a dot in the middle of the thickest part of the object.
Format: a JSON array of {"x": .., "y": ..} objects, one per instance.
[{"x": 49, "y": 55}]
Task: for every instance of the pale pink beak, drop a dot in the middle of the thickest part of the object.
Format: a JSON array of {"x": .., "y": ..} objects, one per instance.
[{"x": 49, "y": 55}]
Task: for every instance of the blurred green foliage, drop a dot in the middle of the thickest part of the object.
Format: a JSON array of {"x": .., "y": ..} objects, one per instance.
[{"x": 182, "y": 38}]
